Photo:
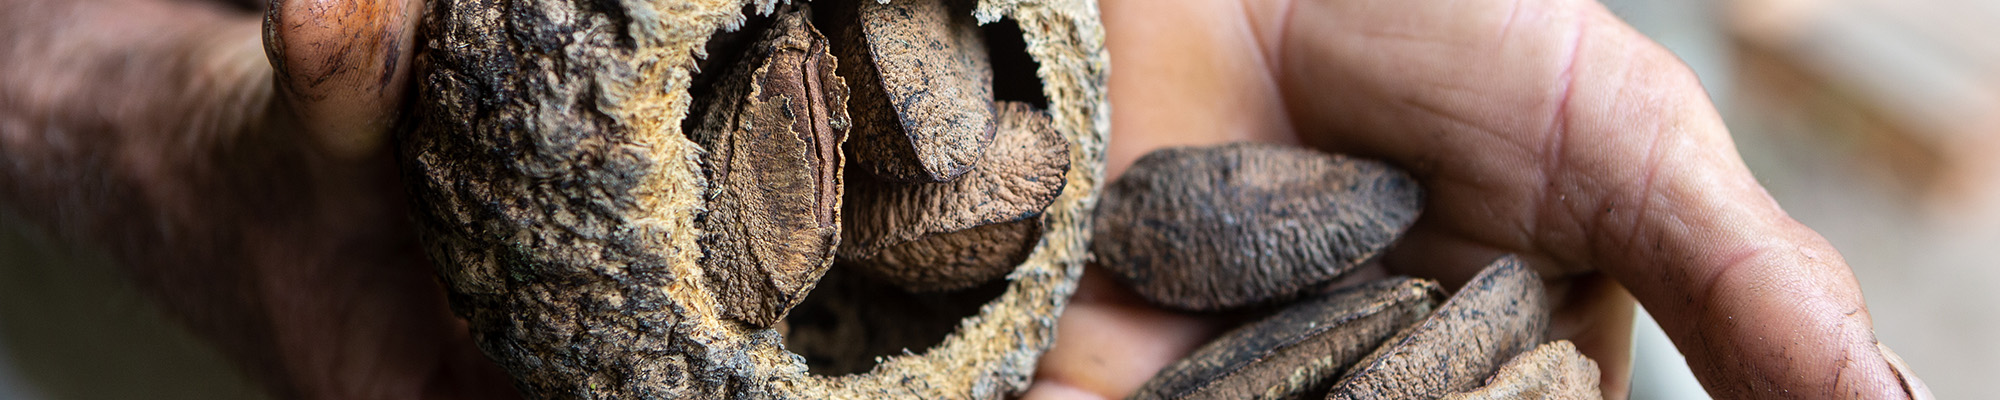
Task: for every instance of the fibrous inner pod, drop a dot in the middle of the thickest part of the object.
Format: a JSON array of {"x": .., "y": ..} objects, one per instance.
[
  {"x": 1299, "y": 351},
  {"x": 853, "y": 318},
  {"x": 1502, "y": 312},
  {"x": 950, "y": 235},
  {"x": 559, "y": 195},
  {"x": 1211, "y": 228},
  {"x": 1553, "y": 371},
  {"x": 772, "y": 138},
  {"x": 923, "y": 88}
]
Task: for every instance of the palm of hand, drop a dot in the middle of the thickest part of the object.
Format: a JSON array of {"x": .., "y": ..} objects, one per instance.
[{"x": 1544, "y": 128}]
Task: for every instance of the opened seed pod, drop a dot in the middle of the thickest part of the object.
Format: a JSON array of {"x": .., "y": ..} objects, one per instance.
[{"x": 561, "y": 193}]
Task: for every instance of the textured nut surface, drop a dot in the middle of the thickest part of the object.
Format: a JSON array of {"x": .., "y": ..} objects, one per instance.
[
  {"x": 1300, "y": 350},
  {"x": 923, "y": 88},
  {"x": 951, "y": 235},
  {"x": 772, "y": 140},
  {"x": 1502, "y": 312},
  {"x": 1211, "y": 228},
  {"x": 560, "y": 199},
  {"x": 1553, "y": 371}
]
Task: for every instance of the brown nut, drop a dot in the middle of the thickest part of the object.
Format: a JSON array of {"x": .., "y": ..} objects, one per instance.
[
  {"x": 1212, "y": 228},
  {"x": 923, "y": 88},
  {"x": 773, "y": 159},
  {"x": 1553, "y": 371},
  {"x": 1500, "y": 313},
  {"x": 1300, "y": 350},
  {"x": 951, "y": 235}
]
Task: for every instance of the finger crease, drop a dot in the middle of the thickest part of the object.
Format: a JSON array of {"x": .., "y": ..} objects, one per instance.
[
  {"x": 1650, "y": 170},
  {"x": 1558, "y": 133},
  {"x": 1711, "y": 285}
]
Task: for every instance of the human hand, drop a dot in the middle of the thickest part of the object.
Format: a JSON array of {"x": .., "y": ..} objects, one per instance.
[
  {"x": 257, "y": 205},
  {"x": 1546, "y": 128},
  {"x": 1550, "y": 130}
]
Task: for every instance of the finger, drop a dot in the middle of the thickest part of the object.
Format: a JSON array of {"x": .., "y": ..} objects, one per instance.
[
  {"x": 1111, "y": 342},
  {"x": 148, "y": 75},
  {"x": 342, "y": 66},
  {"x": 1918, "y": 390},
  {"x": 1429, "y": 249},
  {"x": 1049, "y": 390},
  {"x": 1187, "y": 75},
  {"x": 1549, "y": 127},
  {"x": 1595, "y": 313}
]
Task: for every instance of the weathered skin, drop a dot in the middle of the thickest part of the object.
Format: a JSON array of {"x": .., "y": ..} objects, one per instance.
[
  {"x": 559, "y": 198},
  {"x": 1502, "y": 312},
  {"x": 1213, "y": 228},
  {"x": 1299, "y": 351},
  {"x": 951, "y": 235},
  {"x": 1553, "y": 371}
]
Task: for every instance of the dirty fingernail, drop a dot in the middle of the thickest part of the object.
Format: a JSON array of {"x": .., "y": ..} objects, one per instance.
[{"x": 341, "y": 66}]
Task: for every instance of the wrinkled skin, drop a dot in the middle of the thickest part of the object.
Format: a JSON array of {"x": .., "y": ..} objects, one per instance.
[
  {"x": 1547, "y": 128},
  {"x": 258, "y": 205}
]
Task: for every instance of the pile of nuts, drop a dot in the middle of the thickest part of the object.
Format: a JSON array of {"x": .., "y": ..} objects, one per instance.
[
  {"x": 949, "y": 184},
  {"x": 1246, "y": 226}
]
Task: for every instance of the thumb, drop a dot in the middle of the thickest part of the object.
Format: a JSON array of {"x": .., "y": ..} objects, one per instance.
[
  {"x": 1551, "y": 127},
  {"x": 341, "y": 66}
]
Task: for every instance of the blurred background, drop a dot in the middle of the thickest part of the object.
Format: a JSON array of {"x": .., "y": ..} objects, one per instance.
[{"x": 1876, "y": 122}]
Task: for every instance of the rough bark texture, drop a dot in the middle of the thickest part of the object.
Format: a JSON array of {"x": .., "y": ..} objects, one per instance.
[
  {"x": 951, "y": 235},
  {"x": 1299, "y": 351},
  {"x": 773, "y": 159},
  {"x": 1554, "y": 371},
  {"x": 1502, "y": 312},
  {"x": 1211, "y": 228},
  {"x": 923, "y": 88},
  {"x": 559, "y": 199}
]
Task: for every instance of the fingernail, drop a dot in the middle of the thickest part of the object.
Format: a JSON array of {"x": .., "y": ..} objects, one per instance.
[
  {"x": 1911, "y": 384},
  {"x": 342, "y": 66}
]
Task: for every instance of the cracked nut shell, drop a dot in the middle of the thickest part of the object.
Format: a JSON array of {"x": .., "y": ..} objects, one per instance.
[
  {"x": 1553, "y": 371},
  {"x": 1300, "y": 350},
  {"x": 558, "y": 196},
  {"x": 1502, "y": 312}
]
